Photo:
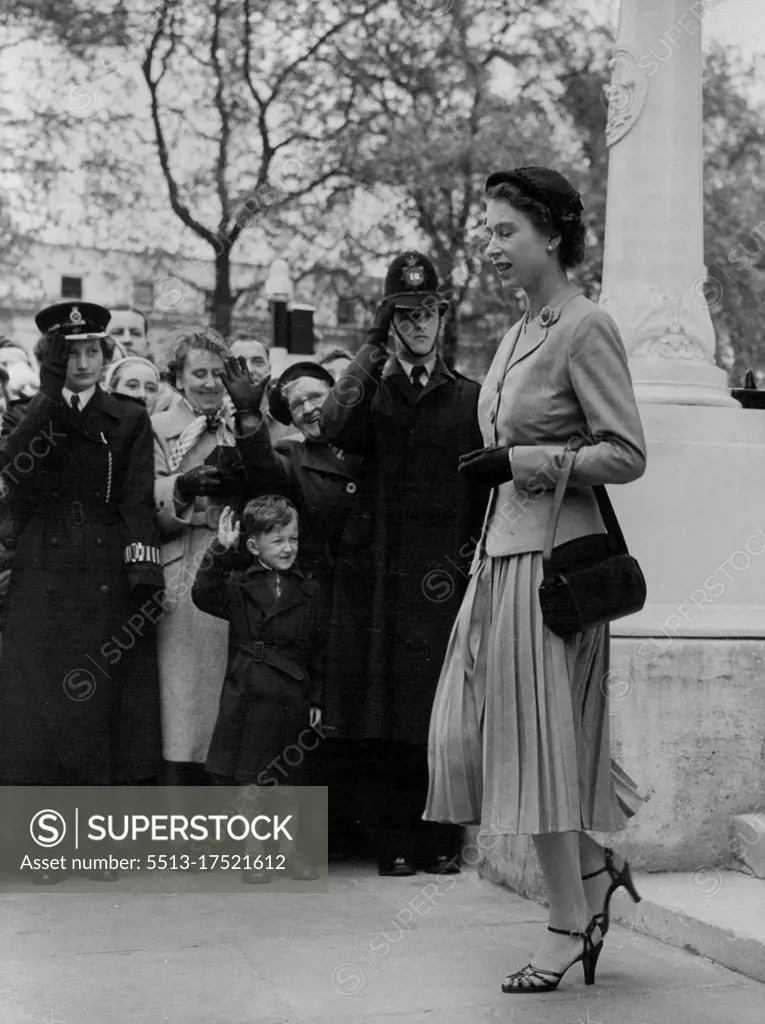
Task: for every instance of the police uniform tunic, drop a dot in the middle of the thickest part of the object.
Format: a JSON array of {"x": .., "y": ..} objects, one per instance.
[{"x": 79, "y": 695}]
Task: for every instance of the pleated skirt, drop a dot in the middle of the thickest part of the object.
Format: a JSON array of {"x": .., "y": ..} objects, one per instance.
[{"x": 519, "y": 737}]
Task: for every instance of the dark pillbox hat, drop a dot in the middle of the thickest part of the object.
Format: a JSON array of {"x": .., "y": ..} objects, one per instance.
[
  {"x": 543, "y": 184},
  {"x": 277, "y": 403},
  {"x": 75, "y": 319},
  {"x": 411, "y": 280}
]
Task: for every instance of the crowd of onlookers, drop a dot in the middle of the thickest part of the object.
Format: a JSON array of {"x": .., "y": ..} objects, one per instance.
[{"x": 121, "y": 658}]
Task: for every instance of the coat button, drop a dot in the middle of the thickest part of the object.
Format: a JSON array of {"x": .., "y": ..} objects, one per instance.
[
  {"x": 350, "y": 487},
  {"x": 104, "y": 589}
]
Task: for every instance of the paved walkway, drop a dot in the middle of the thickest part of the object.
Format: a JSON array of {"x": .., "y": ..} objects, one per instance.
[{"x": 388, "y": 951}]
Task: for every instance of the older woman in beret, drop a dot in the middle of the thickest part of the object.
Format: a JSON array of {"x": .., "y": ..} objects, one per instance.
[
  {"x": 321, "y": 480},
  {"x": 316, "y": 475}
]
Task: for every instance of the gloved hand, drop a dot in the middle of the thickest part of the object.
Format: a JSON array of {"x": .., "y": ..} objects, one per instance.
[
  {"x": 378, "y": 333},
  {"x": 54, "y": 365},
  {"x": 201, "y": 480},
  {"x": 246, "y": 395},
  {"x": 489, "y": 467}
]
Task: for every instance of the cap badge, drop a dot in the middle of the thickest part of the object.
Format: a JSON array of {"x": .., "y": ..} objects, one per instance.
[
  {"x": 414, "y": 275},
  {"x": 76, "y": 317}
]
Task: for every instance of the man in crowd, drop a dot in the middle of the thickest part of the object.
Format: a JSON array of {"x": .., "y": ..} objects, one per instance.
[
  {"x": 258, "y": 360},
  {"x": 130, "y": 329},
  {"x": 411, "y": 417}
]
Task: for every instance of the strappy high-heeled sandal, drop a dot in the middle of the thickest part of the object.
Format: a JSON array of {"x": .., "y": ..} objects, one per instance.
[
  {"x": 536, "y": 979},
  {"x": 619, "y": 879}
]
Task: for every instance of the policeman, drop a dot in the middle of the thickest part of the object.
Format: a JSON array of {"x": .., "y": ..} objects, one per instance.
[{"x": 411, "y": 417}]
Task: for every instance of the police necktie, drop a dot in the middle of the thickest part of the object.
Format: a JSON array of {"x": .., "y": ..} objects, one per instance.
[
  {"x": 75, "y": 403},
  {"x": 419, "y": 377}
]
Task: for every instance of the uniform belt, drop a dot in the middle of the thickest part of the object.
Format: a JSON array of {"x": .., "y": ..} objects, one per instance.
[{"x": 270, "y": 654}]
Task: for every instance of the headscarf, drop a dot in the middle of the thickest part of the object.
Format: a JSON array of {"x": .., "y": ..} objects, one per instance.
[
  {"x": 218, "y": 423},
  {"x": 111, "y": 371}
]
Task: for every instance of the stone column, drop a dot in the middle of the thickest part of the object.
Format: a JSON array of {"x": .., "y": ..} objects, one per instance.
[{"x": 653, "y": 274}]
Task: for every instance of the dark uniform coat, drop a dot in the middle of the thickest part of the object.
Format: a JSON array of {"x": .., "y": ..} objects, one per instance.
[
  {"x": 399, "y": 584},
  {"x": 270, "y": 681},
  {"x": 318, "y": 478},
  {"x": 79, "y": 699}
]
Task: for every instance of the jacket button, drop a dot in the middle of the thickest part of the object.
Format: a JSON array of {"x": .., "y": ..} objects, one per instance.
[
  {"x": 351, "y": 487},
  {"x": 104, "y": 589}
]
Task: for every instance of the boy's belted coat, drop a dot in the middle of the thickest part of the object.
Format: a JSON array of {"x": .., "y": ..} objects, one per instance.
[
  {"x": 79, "y": 697},
  {"x": 272, "y": 675}
]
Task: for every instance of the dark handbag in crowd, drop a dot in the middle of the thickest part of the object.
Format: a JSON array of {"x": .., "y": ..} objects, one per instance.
[{"x": 590, "y": 580}]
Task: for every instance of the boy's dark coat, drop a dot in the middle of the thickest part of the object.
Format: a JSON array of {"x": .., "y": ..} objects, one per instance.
[{"x": 268, "y": 691}]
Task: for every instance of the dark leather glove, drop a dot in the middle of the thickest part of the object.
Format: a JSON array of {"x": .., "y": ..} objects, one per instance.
[
  {"x": 246, "y": 395},
  {"x": 201, "y": 480},
  {"x": 378, "y": 333},
  {"x": 54, "y": 366},
  {"x": 489, "y": 467}
]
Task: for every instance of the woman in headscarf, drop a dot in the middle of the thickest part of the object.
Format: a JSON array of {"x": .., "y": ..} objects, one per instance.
[
  {"x": 191, "y": 493},
  {"x": 134, "y": 377}
]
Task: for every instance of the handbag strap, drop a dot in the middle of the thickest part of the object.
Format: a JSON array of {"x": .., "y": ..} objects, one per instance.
[{"x": 607, "y": 513}]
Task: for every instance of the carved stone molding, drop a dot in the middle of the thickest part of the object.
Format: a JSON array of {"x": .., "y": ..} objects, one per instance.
[
  {"x": 626, "y": 94},
  {"x": 657, "y": 324}
]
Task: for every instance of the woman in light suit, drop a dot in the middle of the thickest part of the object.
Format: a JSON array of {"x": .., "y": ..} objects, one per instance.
[{"x": 519, "y": 736}]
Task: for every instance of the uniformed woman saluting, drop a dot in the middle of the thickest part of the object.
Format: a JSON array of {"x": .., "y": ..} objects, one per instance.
[{"x": 79, "y": 697}]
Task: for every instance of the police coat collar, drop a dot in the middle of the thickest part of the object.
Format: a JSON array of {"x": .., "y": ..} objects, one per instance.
[
  {"x": 91, "y": 419},
  {"x": 393, "y": 368}
]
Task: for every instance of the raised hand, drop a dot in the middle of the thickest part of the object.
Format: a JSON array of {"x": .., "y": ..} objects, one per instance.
[
  {"x": 228, "y": 530},
  {"x": 378, "y": 333},
  {"x": 246, "y": 394},
  {"x": 54, "y": 366}
]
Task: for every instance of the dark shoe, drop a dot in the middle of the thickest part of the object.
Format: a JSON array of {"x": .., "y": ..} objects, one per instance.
[
  {"x": 298, "y": 869},
  {"x": 619, "y": 879},
  {"x": 535, "y": 979},
  {"x": 396, "y": 867},
  {"x": 106, "y": 875},
  {"x": 256, "y": 876},
  {"x": 442, "y": 865}
]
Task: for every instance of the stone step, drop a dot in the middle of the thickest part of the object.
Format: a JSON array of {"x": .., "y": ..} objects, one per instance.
[
  {"x": 715, "y": 914},
  {"x": 747, "y": 841}
]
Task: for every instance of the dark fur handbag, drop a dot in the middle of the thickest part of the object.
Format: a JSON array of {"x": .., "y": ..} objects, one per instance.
[{"x": 590, "y": 580}]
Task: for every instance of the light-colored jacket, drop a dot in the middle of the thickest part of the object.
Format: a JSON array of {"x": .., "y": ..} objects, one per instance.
[{"x": 571, "y": 388}]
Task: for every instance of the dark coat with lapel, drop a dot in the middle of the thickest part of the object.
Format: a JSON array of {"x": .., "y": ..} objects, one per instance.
[
  {"x": 79, "y": 699},
  {"x": 318, "y": 478},
  {"x": 400, "y": 580},
  {"x": 271, "y": 676}
]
